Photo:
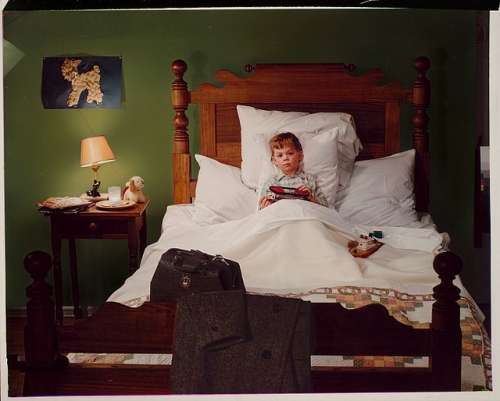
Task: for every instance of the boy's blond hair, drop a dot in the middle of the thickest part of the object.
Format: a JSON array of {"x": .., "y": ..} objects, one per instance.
[{"x": 285, "y": 138}]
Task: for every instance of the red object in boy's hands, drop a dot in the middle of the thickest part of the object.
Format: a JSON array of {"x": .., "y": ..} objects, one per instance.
[{"x": 288, "y": 193}]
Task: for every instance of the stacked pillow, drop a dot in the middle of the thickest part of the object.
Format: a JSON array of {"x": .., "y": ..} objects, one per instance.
[
  {"x": 381, "y": 192},
  {"x": 371, "y": 192},
  {"x": 220, "y": 195}
]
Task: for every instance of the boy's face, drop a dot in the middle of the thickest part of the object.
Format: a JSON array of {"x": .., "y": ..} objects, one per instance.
[{"x": 287, "y": 159}]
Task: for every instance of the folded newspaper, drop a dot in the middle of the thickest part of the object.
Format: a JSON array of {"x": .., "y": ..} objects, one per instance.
[{"x": 66, "y": 204}]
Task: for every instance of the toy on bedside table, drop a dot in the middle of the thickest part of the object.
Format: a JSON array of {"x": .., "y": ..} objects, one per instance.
[
  {"x": 366, "y": 245},
  {"x": 94, "y": 191},
  {"x": 133, "y": 190}
]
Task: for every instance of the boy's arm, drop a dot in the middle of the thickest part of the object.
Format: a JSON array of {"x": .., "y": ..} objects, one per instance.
[
  {"x": 315, "y": 193},
  {"x": 320, "y": 198},
  {"x": 264, "y": 189},
  {"x": 265, "y": 192}
]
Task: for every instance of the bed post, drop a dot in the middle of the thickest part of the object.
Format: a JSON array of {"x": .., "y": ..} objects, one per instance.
[
  {"x": 446, "y": 351},
  {"x": 181, "y": 157},
  {"x": 421, "y": 98},
  {"x": 40, "y": 335}
]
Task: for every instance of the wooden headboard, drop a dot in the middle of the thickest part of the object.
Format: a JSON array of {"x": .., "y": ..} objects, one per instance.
[{"x": 300, "y": 87}]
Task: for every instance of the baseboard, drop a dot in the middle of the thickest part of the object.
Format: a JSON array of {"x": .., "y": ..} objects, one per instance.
[{"x": 20, "y": 312}]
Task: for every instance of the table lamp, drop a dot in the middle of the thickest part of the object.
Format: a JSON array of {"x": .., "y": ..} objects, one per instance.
[{"x": 94, "y": 152}]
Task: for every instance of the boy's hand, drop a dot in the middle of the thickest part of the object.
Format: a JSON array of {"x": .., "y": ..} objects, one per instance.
[
  {"x": 265, "y": 201},
  {"x": 304, "y": 188}
]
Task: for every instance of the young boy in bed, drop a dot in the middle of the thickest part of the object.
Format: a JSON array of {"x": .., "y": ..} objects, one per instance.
[{"x": 287, "y": 156}]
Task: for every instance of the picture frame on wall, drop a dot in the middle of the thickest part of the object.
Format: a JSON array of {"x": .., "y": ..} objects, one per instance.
[{"x": 82, "y": 82}]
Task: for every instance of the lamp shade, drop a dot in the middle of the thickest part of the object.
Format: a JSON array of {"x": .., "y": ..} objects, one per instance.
[{"x": 95, "y": 151}]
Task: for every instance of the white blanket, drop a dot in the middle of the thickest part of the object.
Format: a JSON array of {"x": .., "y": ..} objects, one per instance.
[{"x": 295, "y": 247}]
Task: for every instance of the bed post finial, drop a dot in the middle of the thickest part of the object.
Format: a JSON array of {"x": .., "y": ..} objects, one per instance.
[
  {"x": 180, "y": 101},
  {"x": 446, "y": 333},
  {"x": 421, "y": 100},
  {"x": 181, "y": 157},
  {"x": 40, "y": 336}
]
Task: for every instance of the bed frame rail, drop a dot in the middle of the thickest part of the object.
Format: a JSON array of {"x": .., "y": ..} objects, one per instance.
[{"x": 148, "y": 329}]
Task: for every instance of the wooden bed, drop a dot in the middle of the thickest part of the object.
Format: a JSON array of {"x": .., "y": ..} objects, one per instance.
[{"x": 369, "y": 330}]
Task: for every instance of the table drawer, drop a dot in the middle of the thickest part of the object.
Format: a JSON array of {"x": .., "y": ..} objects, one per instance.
[{"x": 89, "y": 227}]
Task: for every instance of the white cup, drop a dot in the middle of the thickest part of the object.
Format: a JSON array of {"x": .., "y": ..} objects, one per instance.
[{"x": 114, "y": 194}]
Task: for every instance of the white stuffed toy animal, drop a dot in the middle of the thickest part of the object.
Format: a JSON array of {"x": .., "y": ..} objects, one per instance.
[{"x": 133, "y": 190}]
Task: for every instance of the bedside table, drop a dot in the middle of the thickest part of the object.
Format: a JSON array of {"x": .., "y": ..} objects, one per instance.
[{"x": 93, "y": 223}]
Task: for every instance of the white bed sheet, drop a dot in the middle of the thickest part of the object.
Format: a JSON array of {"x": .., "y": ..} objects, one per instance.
[{"x": 274, "y": 245}]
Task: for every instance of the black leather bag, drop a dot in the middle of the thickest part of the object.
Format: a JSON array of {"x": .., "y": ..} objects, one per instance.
[{"x": 181, "y": 272}]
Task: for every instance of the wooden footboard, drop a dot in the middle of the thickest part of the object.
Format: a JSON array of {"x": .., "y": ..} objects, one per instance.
[{"x": 115, "y": 328}]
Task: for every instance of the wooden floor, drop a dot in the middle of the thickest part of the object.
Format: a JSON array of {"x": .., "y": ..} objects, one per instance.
[{"x": 15, "y": 347}]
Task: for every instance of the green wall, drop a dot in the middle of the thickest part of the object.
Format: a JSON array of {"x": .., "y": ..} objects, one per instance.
[{"x": 42, "y": 146}]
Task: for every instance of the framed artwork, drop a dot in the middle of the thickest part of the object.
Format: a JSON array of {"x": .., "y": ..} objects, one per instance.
[{"x": 82, "y": 82}]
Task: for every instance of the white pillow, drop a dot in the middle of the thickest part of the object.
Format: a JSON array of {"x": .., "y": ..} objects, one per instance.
[
  {"x": 320, "y": 159},
  {"x": 219, "y": 190},
  {"x": 255, "y": 122},
  {"x": 380, "y": 192}
]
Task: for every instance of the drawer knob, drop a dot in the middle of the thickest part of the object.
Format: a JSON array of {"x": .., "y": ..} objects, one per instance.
[{"x": 92, "y": 226}]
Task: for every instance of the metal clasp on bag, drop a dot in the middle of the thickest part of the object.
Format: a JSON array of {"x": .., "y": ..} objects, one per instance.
[
  {"x": 185, "y": 280},
  {"x": 220, "y": 258}
]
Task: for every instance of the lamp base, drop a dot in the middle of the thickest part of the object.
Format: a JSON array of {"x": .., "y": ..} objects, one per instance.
[{"x": 94, "y": 190}]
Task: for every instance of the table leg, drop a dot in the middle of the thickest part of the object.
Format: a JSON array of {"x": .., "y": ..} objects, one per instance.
[
  {"x": 75, "y": 290},
  {"x": 133, "y": 246},
  {"x": 56, "y": 270},
  {"x": 143, "y": 235}
]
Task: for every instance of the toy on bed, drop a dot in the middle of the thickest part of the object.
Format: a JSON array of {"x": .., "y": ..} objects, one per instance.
[
  {"x": 366, "y": 245},
  {"x": 133, "y": 190},
  {"x": 279, "y": 192}
]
